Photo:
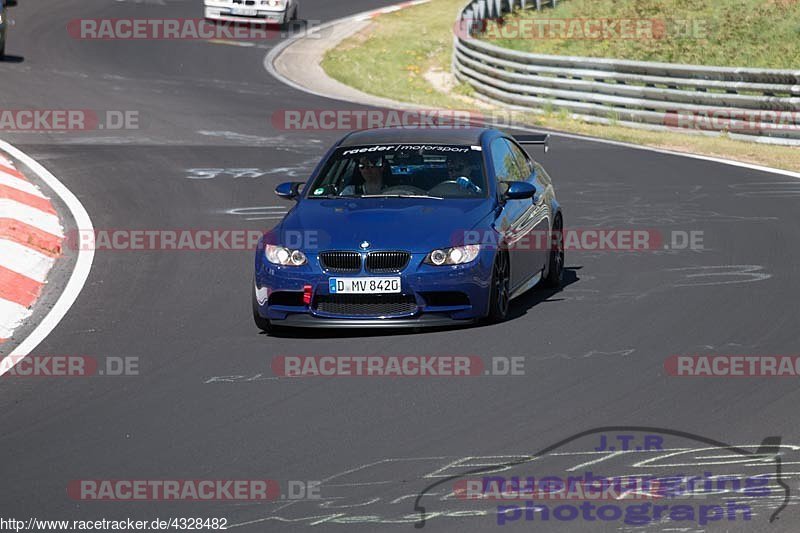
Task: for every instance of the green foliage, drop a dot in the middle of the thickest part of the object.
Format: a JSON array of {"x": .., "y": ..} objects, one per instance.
[{"x": 741, "y": 33}]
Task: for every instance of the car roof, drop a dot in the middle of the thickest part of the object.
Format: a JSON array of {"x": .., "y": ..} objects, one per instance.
[{"x": 434, "y": 135}]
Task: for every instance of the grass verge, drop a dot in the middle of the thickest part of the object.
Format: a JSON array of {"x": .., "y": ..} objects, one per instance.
[
  {"x": 756, "y": 33},
  {"x": 396, "y": 55}
]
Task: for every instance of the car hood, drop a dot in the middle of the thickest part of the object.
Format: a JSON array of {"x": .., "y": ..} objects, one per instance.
[{"x": 412, "y": 224}]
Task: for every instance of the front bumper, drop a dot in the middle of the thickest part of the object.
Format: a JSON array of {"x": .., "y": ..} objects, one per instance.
[
  {"x": 298, "y": 320},
  {"x": 279, "y": 292},
  {"x": 225, "y": 11}
]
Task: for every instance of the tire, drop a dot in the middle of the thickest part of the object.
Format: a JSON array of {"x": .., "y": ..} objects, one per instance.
[
  {"x": 501, "y": 290},
  {"x": 555, "y": 267},
  {"x": 290, "y": 22},
  {"x": 261, "y": 323}
]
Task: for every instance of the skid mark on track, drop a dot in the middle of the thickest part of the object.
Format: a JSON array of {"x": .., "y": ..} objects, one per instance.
[
  {"x": 266, "y": 212},
  {"x": 590, "y": 354},
  {"x": 302, "y": 169},
  {"x": 692, "y": 276},
  {"x": 776, "y": 189},
  {"x": 720, "y": 275},
  {"x": 241, "y": 44},
  {"x": 637, "y": 211},
  {"x": 279, "y": 142}
]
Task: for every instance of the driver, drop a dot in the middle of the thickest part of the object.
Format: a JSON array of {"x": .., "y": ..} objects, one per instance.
[
  {"x": 371, "y": 167},
  {"x": 458, "y": 167},
  {"x": 460, "y": 171}
]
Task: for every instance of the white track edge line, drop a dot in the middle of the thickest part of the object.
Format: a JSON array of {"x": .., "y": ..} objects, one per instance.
[{"x": 83, "y": 264}]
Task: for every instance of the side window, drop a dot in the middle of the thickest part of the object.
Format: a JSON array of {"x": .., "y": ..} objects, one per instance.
[
  {"x": 544, "y": 177},
  {"x": 505, "y": 167},
  {"x": 338, "y": 176},
  {"x": 521, "y": 160}
]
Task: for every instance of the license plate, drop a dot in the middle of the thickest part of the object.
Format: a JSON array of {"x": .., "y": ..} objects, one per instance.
[
  {"x": 363, "y": 285},
  {"x": 242, "y": 12}
]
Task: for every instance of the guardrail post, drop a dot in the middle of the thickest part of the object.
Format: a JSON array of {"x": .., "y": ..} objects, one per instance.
[{"x": 466, "y": 24}]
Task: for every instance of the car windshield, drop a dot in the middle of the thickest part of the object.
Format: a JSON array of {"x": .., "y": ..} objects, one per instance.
[{"x": 402, "y": 170}]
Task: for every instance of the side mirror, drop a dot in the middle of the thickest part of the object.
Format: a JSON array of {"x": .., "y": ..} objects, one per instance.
[
  {"x": 289, "y": 189},
  {"x": 519, "y": 190}
]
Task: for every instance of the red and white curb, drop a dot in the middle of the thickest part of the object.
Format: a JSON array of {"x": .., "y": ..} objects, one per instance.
[
  {"x": 30, "y": 241},
  {"x": 31, "y": 236},
  {"x": 390, "y": 9}
]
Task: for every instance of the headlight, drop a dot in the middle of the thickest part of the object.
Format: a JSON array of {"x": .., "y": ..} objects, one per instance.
[
  {"x": 278, "y": 255},
  {"x": 453, "y": 256}
]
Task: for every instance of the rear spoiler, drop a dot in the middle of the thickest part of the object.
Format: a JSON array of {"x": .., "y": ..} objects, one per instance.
[{"x": 542, "y": 138}]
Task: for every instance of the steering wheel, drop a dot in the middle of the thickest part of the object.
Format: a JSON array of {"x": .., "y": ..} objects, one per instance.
[
  {"x": 408, "y": 189},
  {"x": 455, "y": 186}
]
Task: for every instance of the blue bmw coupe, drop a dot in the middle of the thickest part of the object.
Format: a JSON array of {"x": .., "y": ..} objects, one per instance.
[{"x": 402, "y": 227}]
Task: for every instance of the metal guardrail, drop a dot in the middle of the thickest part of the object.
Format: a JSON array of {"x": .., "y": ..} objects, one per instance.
[{"x": 748, "y": 103}]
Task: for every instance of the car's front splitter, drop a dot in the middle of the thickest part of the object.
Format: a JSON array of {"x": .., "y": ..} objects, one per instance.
[{"x": 304, "y": 320}]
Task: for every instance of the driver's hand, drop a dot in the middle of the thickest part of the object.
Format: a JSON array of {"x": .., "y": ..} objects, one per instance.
[{"x": 465, "y": 183}]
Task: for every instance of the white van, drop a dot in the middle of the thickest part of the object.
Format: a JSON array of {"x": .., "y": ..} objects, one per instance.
[{"x": 256, "y": 11}]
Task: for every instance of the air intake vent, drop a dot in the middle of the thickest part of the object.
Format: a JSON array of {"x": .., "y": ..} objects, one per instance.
[
  {"x": 382, "y": 262},
  {"x": 340, "y": 261},
  {"x": 374, "y": 305}
]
